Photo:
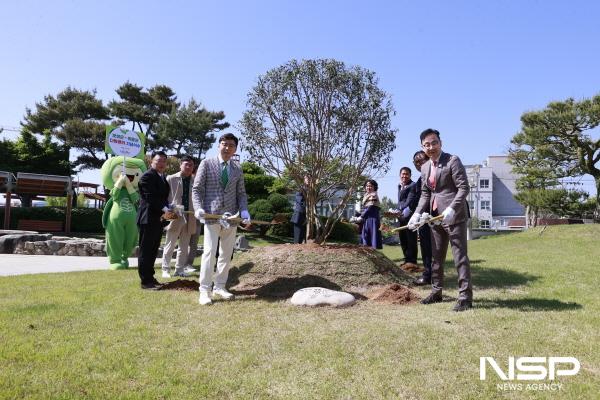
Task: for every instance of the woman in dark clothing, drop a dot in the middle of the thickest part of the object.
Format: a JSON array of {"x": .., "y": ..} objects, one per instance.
[{"x": 369, "y": 219}]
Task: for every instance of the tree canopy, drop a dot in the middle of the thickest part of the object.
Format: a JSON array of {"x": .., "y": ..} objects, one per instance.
[
  {"x": 188, "y": 130},
  {"x": 555, "y": 143},
  {"x": 78, "y": 120},
  {"x": 322, "y": 120}
]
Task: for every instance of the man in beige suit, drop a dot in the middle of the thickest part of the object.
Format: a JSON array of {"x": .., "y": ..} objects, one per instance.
[
  {"x": 182, "y": 228},
  {"x": 443, "y": 192}
]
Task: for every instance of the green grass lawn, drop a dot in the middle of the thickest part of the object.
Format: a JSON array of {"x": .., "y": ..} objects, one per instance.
[{"x": 95, "y": 335}]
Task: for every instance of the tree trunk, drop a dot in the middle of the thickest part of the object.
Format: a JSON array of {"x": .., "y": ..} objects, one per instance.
[{"x": 597, "y": 212}]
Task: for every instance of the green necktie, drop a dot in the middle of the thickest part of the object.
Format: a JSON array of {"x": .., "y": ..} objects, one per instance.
[{"x": 224, "y": 175}]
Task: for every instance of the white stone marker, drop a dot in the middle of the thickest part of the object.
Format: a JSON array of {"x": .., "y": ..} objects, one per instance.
[{"x": 316, "y": 296}]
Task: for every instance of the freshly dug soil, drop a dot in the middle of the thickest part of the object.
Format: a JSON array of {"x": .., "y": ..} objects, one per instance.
[
  {"x": 181, "y": 284},
  {"x": 410, "y": 267},
  {"x": 280, "y": 270},
  {"x": 393, "y": 294}
]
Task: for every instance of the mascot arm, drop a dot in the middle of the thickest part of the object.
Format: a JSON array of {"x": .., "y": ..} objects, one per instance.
[{"x": 106, "y": 212}]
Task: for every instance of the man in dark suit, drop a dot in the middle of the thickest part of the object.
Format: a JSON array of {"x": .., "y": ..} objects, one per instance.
[
  {"x": 299, "y": 215},
  {"x": 443, "y": 192},
  {"x": 420, "y": 158},
  {"x": 154, "y": 193},
  {"x": 407, "y": 202}
]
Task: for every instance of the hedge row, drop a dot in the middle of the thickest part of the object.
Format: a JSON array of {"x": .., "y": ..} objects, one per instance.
[
  {"x": 342, "y": 231},
  {"x": 82, "y": 219}
]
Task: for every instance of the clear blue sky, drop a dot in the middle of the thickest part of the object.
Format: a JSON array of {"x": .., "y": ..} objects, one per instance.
[{"x": 466, "y": 68}]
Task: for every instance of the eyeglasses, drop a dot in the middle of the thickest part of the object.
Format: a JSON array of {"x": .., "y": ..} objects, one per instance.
[
  {"x": 428, "y": 145},
  {"x": 228, "y": 145}
]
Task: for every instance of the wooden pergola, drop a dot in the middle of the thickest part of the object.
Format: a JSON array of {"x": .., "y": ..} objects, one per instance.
[
  {"x": 37, "y": 185},
  {"x": 7, "y": 181}
]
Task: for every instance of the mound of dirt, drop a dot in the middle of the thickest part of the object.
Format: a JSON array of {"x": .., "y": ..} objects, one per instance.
[
  {"x": 181, "y": 284},
  {"x": 280, "y": 270},
  {"x": 392, "y": 294}
]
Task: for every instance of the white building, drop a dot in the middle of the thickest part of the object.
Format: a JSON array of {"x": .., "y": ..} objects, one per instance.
[{"x": 491, "y": 199}]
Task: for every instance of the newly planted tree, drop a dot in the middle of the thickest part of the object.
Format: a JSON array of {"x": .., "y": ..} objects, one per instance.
[{"x": 326, "y": 125}]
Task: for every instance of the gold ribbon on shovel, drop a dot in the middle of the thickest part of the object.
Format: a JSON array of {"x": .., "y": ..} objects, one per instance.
[
  {"x": 420, "y": 224},
  {"x": 277, "y": 219}
]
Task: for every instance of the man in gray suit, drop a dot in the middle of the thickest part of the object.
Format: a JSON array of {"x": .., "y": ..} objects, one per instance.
[
  {"x": 443, "y": 192},
  {"x": 182, "y": 228},
  {"x": 219, "y": 189}
]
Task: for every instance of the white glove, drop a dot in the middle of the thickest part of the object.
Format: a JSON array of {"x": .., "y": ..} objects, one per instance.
[
  {"x": 224, "y": 221},
  {"x": 121, "y": 181},
  {"x": 359, "y": 220},
  {"x": 413, "y": 222},
  {"x": 406, "y": 212},
  {"x": 199, "y": 214},
  {"x": 245, "y": 216},
  {"x": 448, "y": 214}
]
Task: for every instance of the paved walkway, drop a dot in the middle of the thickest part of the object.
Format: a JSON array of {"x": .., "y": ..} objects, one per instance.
[{"x": 21, "y": 264}]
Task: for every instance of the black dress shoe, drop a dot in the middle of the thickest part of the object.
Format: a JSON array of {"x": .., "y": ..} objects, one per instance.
[
  {"x": 432, "y": 298},
  {"x": 151, "y": 286},
  {"x": 422, "y": 282},
  {"x": 462, "y": 305}
]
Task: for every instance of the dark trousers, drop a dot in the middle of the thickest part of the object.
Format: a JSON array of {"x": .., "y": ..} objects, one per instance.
[
  {"x": 456, "y": 236},
  {"x": 150, "y": 235},
  {"x": 299, "y": 233},
  {"x": 408, "y": 241},
  {"x": 425, "y": 241}
]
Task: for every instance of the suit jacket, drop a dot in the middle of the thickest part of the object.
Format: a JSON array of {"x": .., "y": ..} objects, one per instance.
[
  {"x": 451, "y": 189},
  {"x": 209, "y": 195},
  {"x": 406, "y": 198},
  {"x": 154, "y": 194},
  {"x": 175, "y": 182},
  {"x": 299, "y": 215}
]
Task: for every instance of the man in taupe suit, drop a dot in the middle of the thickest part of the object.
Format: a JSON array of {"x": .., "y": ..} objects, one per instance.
[
  {"x": 182, "y": 228},
  {"x": 219, "y": 189},
  {"x": 443, "y": 192}
]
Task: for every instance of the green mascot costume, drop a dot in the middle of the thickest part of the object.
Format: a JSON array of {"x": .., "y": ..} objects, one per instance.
[{"x": 118, "y": 218}]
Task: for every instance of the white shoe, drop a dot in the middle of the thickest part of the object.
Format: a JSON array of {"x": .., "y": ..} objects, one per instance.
[
  {"x": 165, "y": 274},
  {"x": 182, "y": 274},
  {"x": 189, "y": 270},
  {"x": 222, "y": 293},
  {"x": 204, "y": 299}
]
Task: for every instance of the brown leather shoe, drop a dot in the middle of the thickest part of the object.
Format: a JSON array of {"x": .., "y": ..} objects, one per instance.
[
  {"x": 462, "y": 305},
  {"x": 432, "y": 298}
]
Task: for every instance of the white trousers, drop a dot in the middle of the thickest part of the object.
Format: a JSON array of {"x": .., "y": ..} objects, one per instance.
[
  {"x": 173, "y": 235},
  {"x": 212, "y": 234}
]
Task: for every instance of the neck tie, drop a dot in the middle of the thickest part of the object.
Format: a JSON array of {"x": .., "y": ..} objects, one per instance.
[
  {"x": 432, "y": 182},
  {"x": 224, "y": 175}
]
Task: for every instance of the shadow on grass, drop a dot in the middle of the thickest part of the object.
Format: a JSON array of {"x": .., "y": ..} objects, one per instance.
[
  {"x": 487, "y": 278},
  {"x": 529, "y": 305}
]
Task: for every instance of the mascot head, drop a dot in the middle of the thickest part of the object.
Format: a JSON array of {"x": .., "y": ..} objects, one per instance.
[{"x": 111, "y": 170}]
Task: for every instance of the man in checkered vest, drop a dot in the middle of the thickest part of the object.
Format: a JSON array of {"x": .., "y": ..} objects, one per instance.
[{"x": 219, "y": 189}]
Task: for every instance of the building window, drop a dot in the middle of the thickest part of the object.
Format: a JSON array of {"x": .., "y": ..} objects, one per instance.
[
  {"x": 485, "y": 205},
  {"x": 484, "y": 223},
  {"x": 484, "y": 183},
  {"x": 471, "y": 204}
]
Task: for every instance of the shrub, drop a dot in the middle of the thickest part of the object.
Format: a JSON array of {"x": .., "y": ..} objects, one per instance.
[
  {"x": 280, "y": 203},
  {"x": 285, "y": 228},
  {"x": 82, "y": 219},
  {"x": 342, "y": 231}
]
